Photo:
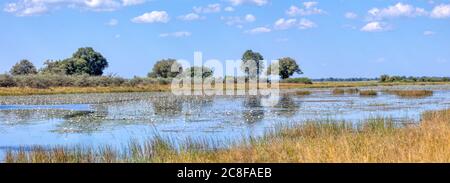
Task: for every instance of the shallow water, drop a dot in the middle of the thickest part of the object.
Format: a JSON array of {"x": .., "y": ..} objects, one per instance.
[{"x": 115, "y": 119}]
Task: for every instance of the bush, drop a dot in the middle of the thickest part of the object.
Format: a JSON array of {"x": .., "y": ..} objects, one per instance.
[
  {"x": 7, "y": 81},
  {"x": 297, "y": 80}
]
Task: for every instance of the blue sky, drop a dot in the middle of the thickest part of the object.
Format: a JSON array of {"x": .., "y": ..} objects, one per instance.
[{"x": 339, "y": 38}]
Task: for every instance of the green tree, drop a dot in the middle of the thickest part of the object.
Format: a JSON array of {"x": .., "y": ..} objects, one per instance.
[
  {"x": 84, "y": 61},
  {"x": 286, "y": 67},
  {"x": 24, "y": 67},
  {"x": 202, "y": 72},
  {"x": 252, "y": 63},
  {"x": 166, "y": 68},
  {"x": 53, "y": 67},
  {"x": 87, "y": 61}
]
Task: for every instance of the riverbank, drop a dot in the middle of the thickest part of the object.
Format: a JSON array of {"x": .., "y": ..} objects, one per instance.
[
  {"x": 376, "y": 140},
  {"x": 23, "y": 91}
]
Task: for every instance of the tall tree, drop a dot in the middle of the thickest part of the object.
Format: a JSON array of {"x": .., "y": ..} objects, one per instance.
[
  {"x": 24, "y": 67},
  {"x": 166, "y": 68},
  {"x": 84, "y": 61},
  {"x": 87, "y": 61},
  {"x": 201, "y": 72},
  {"x": 286, "y": 67},
  {"x": 252, "y": 63}
]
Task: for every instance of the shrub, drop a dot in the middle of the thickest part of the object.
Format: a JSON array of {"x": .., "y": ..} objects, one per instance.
[
  {"x": 297, "y": 80},
  {"x": 7, "y": 81},
  {"x": 411, "y": 93}
]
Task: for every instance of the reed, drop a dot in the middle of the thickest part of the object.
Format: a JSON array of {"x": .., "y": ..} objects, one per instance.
[
  {"x": 302, "y": 93},
  {"x": 411, "y": 93},
  {"x": 368, "y": 93}
]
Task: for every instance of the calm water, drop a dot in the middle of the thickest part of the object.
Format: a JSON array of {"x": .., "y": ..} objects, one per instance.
[{"x": 115, "y": 119}]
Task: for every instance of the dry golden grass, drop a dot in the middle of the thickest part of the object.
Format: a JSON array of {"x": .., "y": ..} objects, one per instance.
[
  {"x": 377, "y": 140},
  {"x": 411, "y": 93},
  {"x": 16, "y": 91},
  {"x": 302, "y": 93},
  {"x": 368, "y": 93}
]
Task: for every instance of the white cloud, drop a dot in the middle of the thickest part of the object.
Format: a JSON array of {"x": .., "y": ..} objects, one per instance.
[
  {"x": 283, "y": 24},
  {"x": 228, "y": 9},
  {"x": 309, "y": 8},
  {"x": 351, "y": 15},
  {"x": 102, "y": 5},
  {"x": 36, "y": 7},
  {"x": 132, "y": 2},
  {"x": 259, "y": 30},
  {"x": 176, "y": 34},
  {"x": 397, "y": 10},
  {"x": 152, "y": 17},
  {"x": 310, "y": 4},
  {"x": 211, "y": 8},
  {"x": 239, "y": 21},
  {"x": 429, "y": 33},
  {"x": 306, "y": 24},
  {"x": 250, "y": 18},
  {"x": 190, "y": 17},
  {"x": 255, "y": 2},
  {"x": 375, "y": 27},
  {"x": 441, "y": 11},
  {"x": 112, "y": 22}
]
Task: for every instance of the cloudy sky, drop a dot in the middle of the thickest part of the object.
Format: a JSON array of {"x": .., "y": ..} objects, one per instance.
[{"x": 339, "y": 38}]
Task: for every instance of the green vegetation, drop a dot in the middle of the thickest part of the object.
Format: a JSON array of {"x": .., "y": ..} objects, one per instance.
[
  {"x": 297, "y": 80},
  {"x": 387, "y": 79},
  {"x": 166, "y": 68},
  {"x": 85, "y": 61},
  {"x": 252, "y": 63},
  {"x": 24, "y": 67},
  {"x": 376, "y": 140},
  {"x": 286, "y": 67},
  {"x": 199, "y": 72}
]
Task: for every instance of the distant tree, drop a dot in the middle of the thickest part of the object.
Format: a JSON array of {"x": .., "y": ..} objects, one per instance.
[
  {"x": 53, "y": 67},
  {"x": 202, "y": 72},
  {"x": 84, "y": 61},
  {"x": 384, "y": 78},
  {"x": 24, "y": 67},
  {"x": 163, "y": 69},
  {"x": 87, "y": 61},
  {"x": 286, "y": 66},
  {"x": 249, "y": 69}
]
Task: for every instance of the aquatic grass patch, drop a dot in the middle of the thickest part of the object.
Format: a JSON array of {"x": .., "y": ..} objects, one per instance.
[
  {"x": 368, "y": 93},
  {"x": 411, "y": 93},
  {"x": 302, "y": 93},
  {"x": 341, "y": 91}
]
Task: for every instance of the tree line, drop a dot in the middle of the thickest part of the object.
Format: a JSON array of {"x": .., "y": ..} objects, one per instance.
[{"x": 87, "y": 61}]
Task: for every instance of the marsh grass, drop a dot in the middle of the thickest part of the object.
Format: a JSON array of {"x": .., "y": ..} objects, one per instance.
[
  {"x": 340, "y": 91},
  {"x": 150, "y": 87},
  {"x": 376, "y": 140},
  {"x": 410, "y": 93},
  {"x": 368, "y": 93},
  {"x": 302, "y": 93}
]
